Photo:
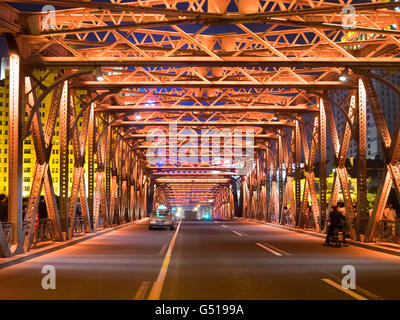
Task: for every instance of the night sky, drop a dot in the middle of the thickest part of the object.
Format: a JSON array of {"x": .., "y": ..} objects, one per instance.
[{"x": 3, "y": 48}]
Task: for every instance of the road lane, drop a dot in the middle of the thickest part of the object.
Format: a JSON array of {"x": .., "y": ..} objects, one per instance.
[
  {"x": 159, "y": 283},
  {"x": 211, "y": 262},
  {"x": 111, "y": 266},
  {"x": 208, "y": 261},
  {"x": 376, "y": 272}
]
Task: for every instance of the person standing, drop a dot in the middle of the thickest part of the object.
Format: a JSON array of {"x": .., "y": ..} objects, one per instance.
[
  {"x": 285, "y": 219},
  {"x": 25, "y": 202},
  {"x": 389, "y": 213},
  {"x": 390, "y": 216},
  {"x": 342, "y": 208},
  {"x": 3, "y": 208},
  {"x": 42, "y": 209}
]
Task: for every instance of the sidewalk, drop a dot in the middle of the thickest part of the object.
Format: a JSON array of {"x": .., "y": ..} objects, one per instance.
[
  {"x": 54, "y": 246},
  {"x": 380, "y": 246}
]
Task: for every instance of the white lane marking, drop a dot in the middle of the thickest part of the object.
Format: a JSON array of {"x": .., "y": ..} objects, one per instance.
[
  {"x": 163, "y": 248},
  {"x": 359, "y": 289},
  {"x": 223, "y": 226},
  {"x": 347, "y": 291},
  {"x": 243, "y": 234},
  {"x": 158, "y": 284},
  {"x": 140, "y": 294},
  {"x": 275, "y": 248},
  {"x": 239, "y": 234},
  {"x": 309, "y": 235},
  {"x": 269, "y": 249}
]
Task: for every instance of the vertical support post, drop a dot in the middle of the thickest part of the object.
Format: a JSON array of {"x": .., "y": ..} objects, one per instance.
[
  {"x": 289, "y": 180},
  {"x": 280, "y": 175},
  {"x": 244, "y": 196},
  {"x": 108, "y": 151},
  {"x": 257, "y": 192},
  {"x": 91, "y": 179},
  {"x": 322, "y": 168},
  {"x": 119, "y": 164},
  {"x": 64, "y": 152},
  {"x": 267, "y": 182},
  {"x": 15, "y": 152},
  {"x": 274, "y": 203},
  {"x": 361, "y": 159},
  {"x": 297, "y": 172},
  {"x": 250, "y": 196},
  {"x": 102, "y": 155},
  {"x": 336, "y": 149}
]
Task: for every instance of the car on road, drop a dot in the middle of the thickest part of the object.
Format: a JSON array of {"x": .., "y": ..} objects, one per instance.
[{"x": 161, "y": 219}]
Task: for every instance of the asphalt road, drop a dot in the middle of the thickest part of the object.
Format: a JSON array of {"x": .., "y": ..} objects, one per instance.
[{"x": 208, "y": 260}]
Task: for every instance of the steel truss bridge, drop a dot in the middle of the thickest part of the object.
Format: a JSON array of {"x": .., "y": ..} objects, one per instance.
[{"x": 132, "y": 67}]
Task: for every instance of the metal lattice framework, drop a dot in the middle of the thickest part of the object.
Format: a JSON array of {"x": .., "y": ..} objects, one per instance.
[{"x": 178, "y": 68}]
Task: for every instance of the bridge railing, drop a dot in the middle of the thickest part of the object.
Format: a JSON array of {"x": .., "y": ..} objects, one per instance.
[
  {"x": 79, "y": 225},
  {"x": 101, "y": 221},
  {"x": 388, "y": 230},
  {"x": 7, "y": 228},
  {"x": 43, "y": 231}
]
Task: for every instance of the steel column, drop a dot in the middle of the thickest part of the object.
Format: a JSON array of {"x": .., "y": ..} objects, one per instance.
[
  {"x": 15, "y": 152},
  {"x": 322, "y": 167},
  {"x": 91, "y": 163},
  {"x": 297, "y": 172},
  {"x": 64, "y": 157},
  {"x": 362, "y": 213}
]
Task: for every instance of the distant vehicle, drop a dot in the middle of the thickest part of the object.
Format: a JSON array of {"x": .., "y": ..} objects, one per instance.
[
  {"x": 206, "y": 216},
  {"x": 190, "y": 215},
  {"x": 161, "y": 218}
]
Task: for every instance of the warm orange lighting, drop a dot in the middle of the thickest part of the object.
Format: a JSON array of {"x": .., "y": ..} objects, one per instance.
[{"x": 194, "y": 180}]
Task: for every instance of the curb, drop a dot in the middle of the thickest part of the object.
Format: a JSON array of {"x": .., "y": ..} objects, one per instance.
[
  {"x": 321, "y": 236},
  {"x": 31, "y": 255}
]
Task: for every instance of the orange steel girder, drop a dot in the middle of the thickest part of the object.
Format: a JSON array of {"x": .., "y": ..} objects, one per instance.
[{"x": 262, "y": 80}]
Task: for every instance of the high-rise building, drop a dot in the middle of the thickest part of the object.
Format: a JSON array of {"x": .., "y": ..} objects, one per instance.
[
  {"x": 390, "y": 104},
  {"x": 28, "y": 151}
]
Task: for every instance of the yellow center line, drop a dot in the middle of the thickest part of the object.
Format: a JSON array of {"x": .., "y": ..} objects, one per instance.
[{"x": 158, "y": 284}]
